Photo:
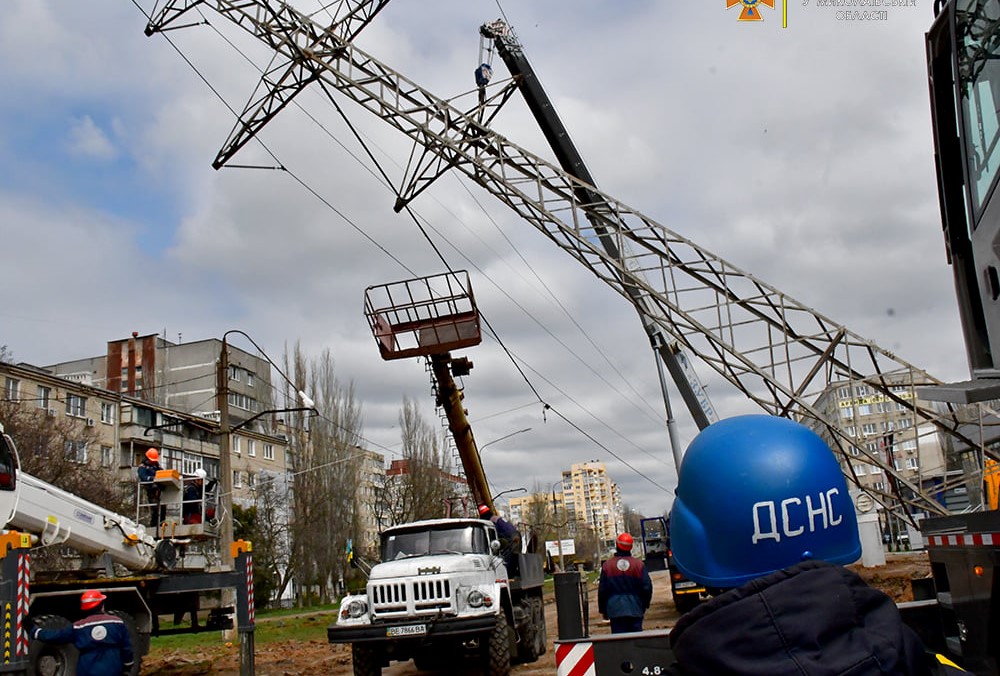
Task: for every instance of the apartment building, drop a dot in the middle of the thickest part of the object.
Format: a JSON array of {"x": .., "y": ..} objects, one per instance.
[
  {"x": 889, "y": 430},
  {"x": 593, "y": 499}
]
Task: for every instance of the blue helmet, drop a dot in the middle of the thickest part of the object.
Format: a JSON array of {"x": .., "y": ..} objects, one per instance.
[{"x": 756, "y": 494}]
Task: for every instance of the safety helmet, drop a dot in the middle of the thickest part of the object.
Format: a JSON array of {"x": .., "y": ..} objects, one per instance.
[
  {"x": 153, "y": 455},
  {"x": 756, "y": 494},
  {"x": 483, "y": 510},
  {"x": 200, "y": 473},
  {"x": 624, "y": 542},
  {"x": 91, "y": 599}
]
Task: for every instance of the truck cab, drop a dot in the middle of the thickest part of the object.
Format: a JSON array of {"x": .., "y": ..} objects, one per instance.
[{"x": 441, "y": 591}]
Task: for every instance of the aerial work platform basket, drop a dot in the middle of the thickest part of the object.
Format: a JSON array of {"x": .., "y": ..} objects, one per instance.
[{"x": 423, "y": 316}]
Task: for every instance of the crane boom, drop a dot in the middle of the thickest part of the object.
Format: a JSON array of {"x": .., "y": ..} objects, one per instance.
[
  {"x": 685, "y": 378},
  {"x": 55, "y": 516},
  {"x": 778, "y": 352}
]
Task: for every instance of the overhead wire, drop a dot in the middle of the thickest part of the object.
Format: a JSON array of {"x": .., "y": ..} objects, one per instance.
[{"x": 410, "y": 212}]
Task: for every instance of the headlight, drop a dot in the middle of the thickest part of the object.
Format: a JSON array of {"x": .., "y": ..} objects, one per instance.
[
  {"x": 354, "y": 609},
  {"x": 477, "y": 599}
]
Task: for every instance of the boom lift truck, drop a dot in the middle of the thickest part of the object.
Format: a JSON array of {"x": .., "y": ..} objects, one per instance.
[
  {"x": 142, "y": 576},
  {"x": 442, "y": 589}
]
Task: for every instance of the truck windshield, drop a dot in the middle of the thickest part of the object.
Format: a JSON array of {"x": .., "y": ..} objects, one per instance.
[
  {"x": 461, "y": 540},
  {"x": 979, "y": 78}
]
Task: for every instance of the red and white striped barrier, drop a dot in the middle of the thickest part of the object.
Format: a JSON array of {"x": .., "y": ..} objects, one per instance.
[
  {"x": 964, "y": 540},
  {"x": 575, "y": 659}
]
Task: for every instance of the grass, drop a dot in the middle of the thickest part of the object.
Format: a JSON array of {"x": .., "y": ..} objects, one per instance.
[{"x": 272, "y": 626}]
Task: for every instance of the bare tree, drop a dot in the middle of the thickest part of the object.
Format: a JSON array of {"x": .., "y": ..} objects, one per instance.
[
  {"x": 63, "y": 452},
  {"x": 6, "y": 356},
  {"x": 266, "y": 523},
  {"x": 327, "y": 463},
  {"x": 422, "y": 487}
]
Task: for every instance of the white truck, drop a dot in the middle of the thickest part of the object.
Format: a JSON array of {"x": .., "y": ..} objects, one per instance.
[
  {"x": 143, "y": 576},
  {"x": 443, "y": 592}
]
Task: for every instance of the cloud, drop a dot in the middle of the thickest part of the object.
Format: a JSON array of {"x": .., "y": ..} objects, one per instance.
[{"x": 86, "y": 139}]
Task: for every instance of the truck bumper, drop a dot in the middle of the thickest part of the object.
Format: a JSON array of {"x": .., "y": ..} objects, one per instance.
[{"x": 433, "y": 628}]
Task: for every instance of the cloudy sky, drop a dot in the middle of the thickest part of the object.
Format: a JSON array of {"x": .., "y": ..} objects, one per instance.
[{"x": 802, "y": 154}]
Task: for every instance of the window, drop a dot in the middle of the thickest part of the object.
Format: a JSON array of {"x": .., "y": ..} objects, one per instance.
[
  {"x": 11, "y": 389},
  {"x": 237, "y": 479},
  {"x": 107, "y": 456},
  {"x": 865, "y": 409},
  {"x": 862, "y": 390},
  {"x": 125, "y": 458},
  {"x": 844, "y": 393},
  {"x": 855, "y": 451},
  {"x": 107, "y": 413},
  {"x": 76, "y": 405},
  {"x": 251, "y": 480},
  {"x": 887, "y": 426},
  {"x": 250, "y": 379},
  {"x": 875, "y": 469},
  {"x": 234, "y": 373},
  {"x": 909, "y": 445},
  {"x": 252, "y": 448},
  {"x": 859, "y": 469},
  {"x": 850, "y": 430},
  {"x": 269, "y": 451},
  {"x": 904, "y": 423},
  {"x": 912, "y": 463},
  {"x": 235, "y": 445},
  {"x": 878, "y": 485},
  {"x": 76, "y": 451},
  {"x": 242, "y": 401},
  {"x": 869, "y": 428},
  {"x": 43, "y": 395}
]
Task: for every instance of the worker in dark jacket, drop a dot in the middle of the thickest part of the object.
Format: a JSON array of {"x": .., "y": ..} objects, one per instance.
[
  {"x": 510, "y": 538},
  {"x": 102, "y": 639},
  {"x": 624, "y": 589},
  {"x": 762, "y": 515},
  {"x": 146, "y": 471}
]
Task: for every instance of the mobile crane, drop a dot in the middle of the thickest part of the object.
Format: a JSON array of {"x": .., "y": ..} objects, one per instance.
[
  {"x": 142, "y": 576},
  {"x": 442, "y": 589}
]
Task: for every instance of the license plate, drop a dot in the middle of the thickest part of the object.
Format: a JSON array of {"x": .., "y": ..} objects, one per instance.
[
  {"x": 407, "y": 630},
  {"x": 685, "y": 585}
]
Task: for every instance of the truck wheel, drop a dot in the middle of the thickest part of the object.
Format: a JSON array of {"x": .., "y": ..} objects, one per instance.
[
  {"x": 496, "y": 649},
  {"x": 543, "y": 634},
  {"x": 133, "y": 635},
  {"x": 52, "y": 659},
  {"x": 527, "y": 649},
  {"x": 366, "y": 660}
]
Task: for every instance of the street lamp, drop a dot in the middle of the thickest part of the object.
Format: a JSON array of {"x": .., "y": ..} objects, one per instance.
[
  {"x": 506, "y": 436},
  {"x": 555, "y": 518},
  {"x": 512, "y": 490}
]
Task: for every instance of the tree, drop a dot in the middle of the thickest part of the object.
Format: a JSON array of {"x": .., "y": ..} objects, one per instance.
[
  {"x": 52, "y": 449},
  {"x": 6, "y": 356},
  {"x": 327, "y": 462},
  {"x": 266, "y": 523},
  {"x": 423, "y": 486}
]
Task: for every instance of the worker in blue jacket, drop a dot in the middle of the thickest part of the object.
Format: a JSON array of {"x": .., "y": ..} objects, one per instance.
[
  {"x": 102, "y": 639},
  {"x": 762, "y": 516},
  {"x": 624, "y": 590}
]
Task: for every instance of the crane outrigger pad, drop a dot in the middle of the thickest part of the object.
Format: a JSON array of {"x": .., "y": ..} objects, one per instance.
[{"x": 423, "y": 316}]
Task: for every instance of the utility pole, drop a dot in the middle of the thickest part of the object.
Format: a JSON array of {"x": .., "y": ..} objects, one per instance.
[
  {"x": 225, "y": 461},
  {"x": 555, "y": 516}
]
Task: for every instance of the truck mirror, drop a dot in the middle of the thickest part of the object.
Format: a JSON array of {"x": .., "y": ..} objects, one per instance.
[{"x": 495, "y": 546}]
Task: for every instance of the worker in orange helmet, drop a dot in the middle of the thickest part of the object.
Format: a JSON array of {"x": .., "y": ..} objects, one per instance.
[
  {"x": 624, "y": 590},
  {"x": 101, "y": 638},
  {"x": 147, "y": 472}
]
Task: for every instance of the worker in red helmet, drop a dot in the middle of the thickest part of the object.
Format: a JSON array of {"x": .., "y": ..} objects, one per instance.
[
  {"x": 510, "y": 538},
  {"x": 624, "y": 590},
  {"x": 101, "y": 638},
  {"x": 147, "y": 472}
]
